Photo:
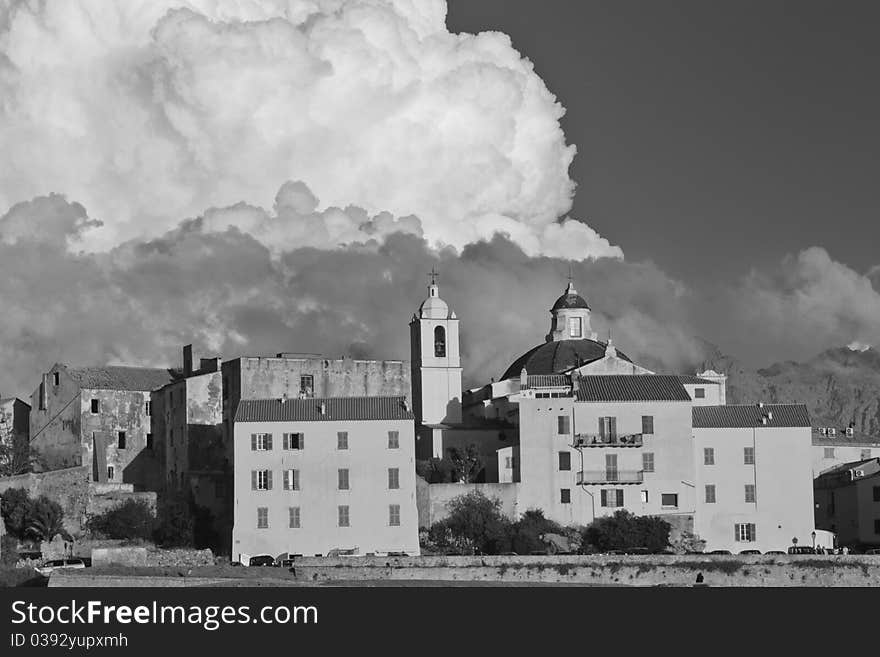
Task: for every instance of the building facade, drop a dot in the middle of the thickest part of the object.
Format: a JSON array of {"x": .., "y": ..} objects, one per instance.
[
  {"x": 317, "y": 474},
  {"x": 848, "y": 503},
  {"x": 99, "y": 417},
  {"x": 14, "y": 435}
]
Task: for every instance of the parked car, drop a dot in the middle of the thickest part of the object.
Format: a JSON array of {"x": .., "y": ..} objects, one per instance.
[
  {"x": 774, "y": 552},
  {"x": 873, "y": 551},
  {"x": 751, "y": 552},
  {"x": 60, "y": 564},
  {"x": 262, "y": 560},
  {"x": 719, "y": 552},
  {"x": 801, "y": 549}
]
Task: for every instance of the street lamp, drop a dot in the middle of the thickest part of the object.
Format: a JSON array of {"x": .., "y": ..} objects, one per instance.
[{"x": 813, "y": 535}]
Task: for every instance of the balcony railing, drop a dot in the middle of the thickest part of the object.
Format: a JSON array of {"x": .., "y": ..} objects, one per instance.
[
  {"x": 595, "y": 440},
  {"x": 610, "y": 477}
]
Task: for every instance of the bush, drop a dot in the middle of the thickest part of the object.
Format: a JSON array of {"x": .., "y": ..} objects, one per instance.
[
  {"x": 528, "y": 528},
  {"x": 133, "y": 519},
  {"x": 436, "y": 471},
  {"x": 475, "y": 525},
  {"x": 14, "y": 506},
  {"x": 625, "y": 530},
  {"x": 8, "y": 550},
  {"x": 176, "y": 525},
  {"x": 45, "y": 519}
]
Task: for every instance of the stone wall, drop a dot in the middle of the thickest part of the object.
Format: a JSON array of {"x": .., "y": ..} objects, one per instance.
[
  {"x": 431, "y": 499},
  {"x": 660, "y": 570}
]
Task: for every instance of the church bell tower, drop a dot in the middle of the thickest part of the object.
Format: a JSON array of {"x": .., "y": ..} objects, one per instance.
[{"x": 436, "y": 364}]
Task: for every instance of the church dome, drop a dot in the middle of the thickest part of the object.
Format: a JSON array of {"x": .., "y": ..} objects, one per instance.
[
  {"x": 570, "y": 299},
  {"x": 559, "y": 357},
  {"x": 434, "y": 307}
]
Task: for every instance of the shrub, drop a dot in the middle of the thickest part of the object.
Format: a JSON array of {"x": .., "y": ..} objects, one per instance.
[
  {"x": 133, "y": 519},
  {"x": 475, "y": 524},
  {"x": 176, "y": 526},
  {"x": 528, "y": 528},
  {"x": 625, "y": 530},
  {"x": 437, "y": 471},
  {"x": 14, "y": 506},
  {"x": 45, "y": 519},
  {"x": 8, "y": 550}
]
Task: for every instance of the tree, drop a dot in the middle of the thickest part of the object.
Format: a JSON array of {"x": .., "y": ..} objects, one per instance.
[
  {"x": 133, "y": 519},
  {"x": 468, "y": 463},
  {"x": 45, "y": 520},
  {"x": 528, "y": 529},
  {"x": 437, "y": 471},
  {"x": 16, "y": 461},
  {"x": 474, "y": 521},
  {"x": 625, "y": 530},
  {"x": 176, "y": 525},
  {"x": 14, "y": 506}
]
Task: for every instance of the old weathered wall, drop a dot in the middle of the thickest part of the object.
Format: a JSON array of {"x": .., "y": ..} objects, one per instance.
[
  {"x": 68, "y": 487},
  {"x": 55, "y": 429},
  {"x": 432, "y": 499}
]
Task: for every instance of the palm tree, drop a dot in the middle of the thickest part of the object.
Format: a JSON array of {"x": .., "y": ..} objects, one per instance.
[{"x": 46, "y": 520}]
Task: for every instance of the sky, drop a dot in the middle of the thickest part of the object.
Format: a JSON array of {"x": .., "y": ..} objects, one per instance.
[
  {"x": 712, "y": 136},
  {"x": 256, "y": 177}
]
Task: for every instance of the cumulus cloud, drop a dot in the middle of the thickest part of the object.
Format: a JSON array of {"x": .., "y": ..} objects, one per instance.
[{"x": 147, "y": 111}]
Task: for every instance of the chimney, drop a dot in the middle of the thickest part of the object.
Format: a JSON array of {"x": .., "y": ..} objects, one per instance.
[
  {"x": 44, "y": 392},
  {"x": 323, "y": 408},
  {"x": 770, "y": 415},
  {"x": 523, "y": 379},
  {"x": 209, "y": 365},
  {"x": 405, "y": 404},
  {"x": 188, "y": 360}
]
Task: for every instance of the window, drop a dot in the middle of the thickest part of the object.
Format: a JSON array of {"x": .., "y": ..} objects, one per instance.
[
  {"x": 877, "y": 526},
  {"x": 120, "y": 440},
  {"x": 343, "y": 516},
  {"x": 644, "y": 497},
  {"x": 148, "y": 408},
  {"x": 293, "y": 441},
  {"x": 876, "y": 493},
  {"x": 648, "y": 461},
  {"x": 56, "y": 378},
  {"x": 744, "y": 533},
  {"x": 393, "y": 478},
  {"x": 563, "y": 425},
  {"x": 565, "y": 496},
  {"x": 669, "y": 500},
  {"x": 611, "y": 473},
  {"x": 261, "y": 442},
  {"x": 291, "y": 480},
  {"x": 699, "y": 393},
  {"x": 307, "y": 385},
  {"x": 749, "y": 455},
  {"x": 648, "y": 424},
  {"x": 710, "y": 493},
  {"x": 611, "y": 497},
  {"x": 508, "y": 463},
  {"x": 149, "y": 441},
  {"x": 342, "y": 440},
  {"x": 342, "y": 478},
  {"x": 607, "y": 428},
  {"x": 829, "y": 452},
  {"x": 750, "y": 493},
  {"x": 261, "y": 480},
  {"x": 574, "y": 327},
  {"x": 294, "y": 517},
  {"x": 565, "y": 460},
  {"x": 709, "y": 456},
  {"x": 95, "y": 406},
  {"x": 111, "y": 473},
  {"x": 440, "y": 342},
  {"x": 262, "y": 517},
  {"x": 866, "y": 453},
  {"x": 393, "y": 440},
  {"x": 394, "y": 515}
]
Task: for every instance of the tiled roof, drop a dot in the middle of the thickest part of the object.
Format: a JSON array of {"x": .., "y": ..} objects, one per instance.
[
  {"x": 336, "y": 408},
  {"x": 120, "y": 378},
  {"x": 559, "y": 356},
  {"x": 842, "y": 440},
  {"x": 630, "y": 387},
  {"x": 548, "y": 381},
  {"x": 690, "y": 379},
  {"x": 747, "y": 416}
]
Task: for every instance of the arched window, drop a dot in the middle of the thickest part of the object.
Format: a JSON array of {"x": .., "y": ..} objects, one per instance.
[{"x": 440, "y": 342}]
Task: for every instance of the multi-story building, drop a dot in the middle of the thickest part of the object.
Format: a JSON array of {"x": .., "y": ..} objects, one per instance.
[
  {"x": 753, "y": 481},
  {"x": 583, "y": 431},
  {"x": 14, "y": 434},
  {"x": 99, "y": 417},
  {"x": 317, "y": 474},
  {"x": 848, "y": 502},
  {"x": 833, "y": 447}
]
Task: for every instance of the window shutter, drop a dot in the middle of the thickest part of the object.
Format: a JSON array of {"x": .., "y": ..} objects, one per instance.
[
  {"x": 253, "y": 442},
  {"x": 254, "y": 478},
  {"x": 613, "y": 427},
  {"x": 296, "y": 480},
  {"x": 302, "y": 441},
  {"x": 736, "y": 533},
  {"x": 268, "y": 480},
  {"x": 285, "y": 442},
  {"x": 619, "y": 497},
  {"x": 754, "y": 533},
  {"x": 602, "y": 428},
  {"x": 269, "y": 441}
]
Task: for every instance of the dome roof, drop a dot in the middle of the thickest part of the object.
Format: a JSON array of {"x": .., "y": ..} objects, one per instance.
[
  {"x": 570, "y": 299},
  {"x": 434, "y": 307},
  {"x": 558, "y": 357}
]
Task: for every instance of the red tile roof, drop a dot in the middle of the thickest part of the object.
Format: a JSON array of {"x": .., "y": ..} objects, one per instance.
[
  {"x": 336, "y": 408},
  {"x": 630, "y": 387},
  {"x": 114, "y": 377},
  {"x": 748, "y": 416}
]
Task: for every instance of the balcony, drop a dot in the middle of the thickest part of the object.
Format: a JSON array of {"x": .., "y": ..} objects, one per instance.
[
  {"x": 596, "y": 440},
  {"x": 588, "y": 477}
]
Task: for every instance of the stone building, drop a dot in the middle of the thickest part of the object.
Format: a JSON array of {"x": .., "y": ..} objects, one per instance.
[
  {"x": 14, "y": 435},
  {"x": 99, "y": 417}
]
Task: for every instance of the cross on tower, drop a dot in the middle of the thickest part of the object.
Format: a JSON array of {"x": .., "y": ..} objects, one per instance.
[
  {"x": 434, "y": 276},
  {"x": 570, "y": 275}
]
